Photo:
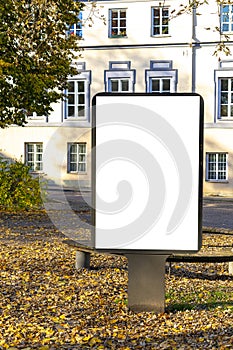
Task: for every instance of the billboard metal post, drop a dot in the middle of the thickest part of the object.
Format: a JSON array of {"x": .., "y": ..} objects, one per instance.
[{"x": 146, "y": 284}]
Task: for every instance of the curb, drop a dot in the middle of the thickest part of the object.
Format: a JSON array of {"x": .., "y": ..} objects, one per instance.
[
  {"x": 217, "y": 199},
  {"x": 217, "y": 230}
]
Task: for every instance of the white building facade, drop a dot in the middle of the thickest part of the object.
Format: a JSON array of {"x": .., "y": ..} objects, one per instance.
[{"x": 142, "y": 47}]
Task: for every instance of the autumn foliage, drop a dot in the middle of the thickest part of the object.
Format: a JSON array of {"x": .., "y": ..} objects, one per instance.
[
  {"x": 46, "y": 304},
  {"x": 36, "y": 55},
  {"x": 18, "y": 189}
]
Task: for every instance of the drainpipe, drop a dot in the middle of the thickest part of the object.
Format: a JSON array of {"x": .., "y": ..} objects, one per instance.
[{"x": 194, "y": 47}]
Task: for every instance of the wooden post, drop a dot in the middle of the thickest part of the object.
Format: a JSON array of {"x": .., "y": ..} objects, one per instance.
[{"x": 230, "y": 268}]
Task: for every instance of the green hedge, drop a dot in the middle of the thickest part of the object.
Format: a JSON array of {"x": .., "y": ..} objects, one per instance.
[{"x": 19, "y": 190}]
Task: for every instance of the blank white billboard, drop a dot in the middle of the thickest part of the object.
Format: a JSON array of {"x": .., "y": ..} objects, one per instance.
[{"x": 147, "y": 172}]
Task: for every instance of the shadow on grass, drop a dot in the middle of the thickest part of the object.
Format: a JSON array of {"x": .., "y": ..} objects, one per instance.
[
  {"x": 175, "y": 307},
  {"x": 185, "y": 272}
]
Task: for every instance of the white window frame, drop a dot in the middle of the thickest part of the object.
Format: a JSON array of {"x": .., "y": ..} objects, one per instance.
[
  {"x": 217, "y": 169},
  {"x": 226, "y": 18},
  {"x": 36, "y": 163},
  {"x": 121, "y": 30},
  {"x": 84, "y": 76},
  {"x": 161, "y": 74},
  {"x": 120, "y": 82},
  {"x": 221, "y": 74},
  {"x": 76, "y": 28},
  {"x": 161, "y": 81},
  {"x": 119, "y": 75},
  {"x": 81, "y": 158},
  {"x": 76, "y": 104},
  {"x": 161, "y": 24},
  {"x": 229, "y": 97}
]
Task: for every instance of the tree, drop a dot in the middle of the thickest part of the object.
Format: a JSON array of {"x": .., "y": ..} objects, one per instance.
[
  {"x": 35, "y": 55},
  {"x": 192, "y": 6}
]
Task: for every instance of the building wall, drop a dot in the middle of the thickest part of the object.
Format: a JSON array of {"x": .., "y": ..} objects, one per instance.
[
  {"x": 189, "y": 47},
  {"x": 220, "y": 141},
  {"x": 55, "y": 141},
  {"x": 138, "y": 24}
]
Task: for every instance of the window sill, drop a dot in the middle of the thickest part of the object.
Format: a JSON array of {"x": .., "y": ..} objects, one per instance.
[
  {"x": 36, "y": 119},
  {"x": 75, "y": 119},
  {"x": 77, "y": 172},
  {"x": 161, "y": 36},
  {"x": 118, "y": 36},
  {"x": 225, "y": 32},
  {"x": 219, "y": 125},
  {"x": 36, "y": 173},
  {"x": 227, "y": 119},
  {"x": 218, "y": 181}
]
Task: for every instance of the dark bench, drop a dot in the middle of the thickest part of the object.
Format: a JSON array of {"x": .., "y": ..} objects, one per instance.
[
  {"x": 203, "y": 256},
  {"x": 214, "y": 256},
  {"x": 83, "y": 253}
]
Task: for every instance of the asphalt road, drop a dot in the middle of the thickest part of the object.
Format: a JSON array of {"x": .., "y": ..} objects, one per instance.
[{"x": 218, "y": 212}]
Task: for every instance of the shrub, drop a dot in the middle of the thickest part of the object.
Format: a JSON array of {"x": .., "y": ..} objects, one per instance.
[{"x": 19, "y": 190}]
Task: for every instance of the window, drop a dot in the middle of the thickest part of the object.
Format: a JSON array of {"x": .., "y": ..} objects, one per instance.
[
  {"x": 161, "y": 77},
  {"x": 117, "y": 23},
  {"x": 76, "y": 99},
  {"x": 77, "y": 157},
  {"x": 216, "y": 168},
  {"x": 34, "y": 153},
  {"x": 119, "y": 78},
  {"x": 227, "y": 18},
  {"x": 160, "y": 85},
  {"x": 77, "y": 102},
  {"x": 224, "y": 92},
  {"x": 76, "y": 28},
  {"x": 33, "y": 116},
  {"x": 119, "y": 85},
  {"x": 160, "y": 21},
  {"x": 226, "y": 98}
]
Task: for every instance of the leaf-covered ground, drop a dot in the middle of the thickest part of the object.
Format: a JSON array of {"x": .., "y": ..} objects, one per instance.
[{"x": 45, "y": 303}]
